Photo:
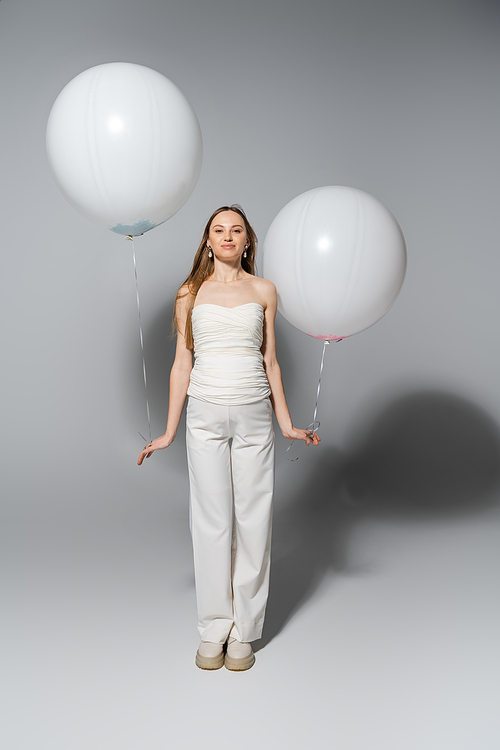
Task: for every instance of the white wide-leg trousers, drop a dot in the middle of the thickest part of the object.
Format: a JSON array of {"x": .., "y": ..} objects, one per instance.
[{"x": 231, "y": 474}]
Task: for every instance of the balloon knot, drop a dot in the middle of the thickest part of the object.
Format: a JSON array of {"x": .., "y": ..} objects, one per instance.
[{"x": 129, "y": 237}]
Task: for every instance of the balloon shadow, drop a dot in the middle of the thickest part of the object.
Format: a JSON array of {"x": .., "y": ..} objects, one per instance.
[{"x": 427, "y": 455}]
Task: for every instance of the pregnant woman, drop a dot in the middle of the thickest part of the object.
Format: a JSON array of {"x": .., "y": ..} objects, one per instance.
[{"x": 225, "y": 315}]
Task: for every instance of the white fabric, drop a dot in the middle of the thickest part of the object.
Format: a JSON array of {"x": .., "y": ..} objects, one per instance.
[
  {"x": 228, "y": 365},
  {"x": 231, "y": 465}
]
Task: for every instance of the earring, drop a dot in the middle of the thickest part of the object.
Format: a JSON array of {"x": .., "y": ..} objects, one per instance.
[
  {"x": 245, "y": 253},
  {"x": 209, "y": 251}
]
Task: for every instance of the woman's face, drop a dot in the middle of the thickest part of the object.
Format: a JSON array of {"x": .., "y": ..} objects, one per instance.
[{"x": 227, "y": 236}]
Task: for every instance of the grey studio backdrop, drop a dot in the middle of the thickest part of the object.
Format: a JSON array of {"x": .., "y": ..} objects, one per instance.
[{"x": 383, "y": 618}]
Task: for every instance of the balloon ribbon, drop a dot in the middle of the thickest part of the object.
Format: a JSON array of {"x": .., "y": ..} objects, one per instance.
[
  {"x": 315, "y": 425},
  {"x": 131, "y": 239}
]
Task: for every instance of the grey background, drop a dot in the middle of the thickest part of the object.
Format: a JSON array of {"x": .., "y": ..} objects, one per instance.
[{"x": 383, "y": 621}]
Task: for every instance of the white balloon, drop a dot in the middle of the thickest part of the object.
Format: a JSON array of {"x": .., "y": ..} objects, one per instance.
[
  {"x": 338, "y": 259},
  {"x": 124, "y": 146}
]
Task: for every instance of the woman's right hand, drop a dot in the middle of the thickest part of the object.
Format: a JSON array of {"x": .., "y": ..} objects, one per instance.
[
  {"x": 309, "y": 436},
  {"x": 155, "y": 445}
]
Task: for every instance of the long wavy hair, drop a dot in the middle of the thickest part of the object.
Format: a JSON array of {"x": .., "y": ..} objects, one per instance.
[{"x": 203, "y": 268}]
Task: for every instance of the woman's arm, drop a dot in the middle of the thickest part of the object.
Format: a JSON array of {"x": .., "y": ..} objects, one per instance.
[
  {"x": 273, "y": 373},
  {"x": 179, "y": 383}
]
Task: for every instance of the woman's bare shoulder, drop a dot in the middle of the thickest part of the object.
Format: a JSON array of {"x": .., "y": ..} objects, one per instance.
[
  {"x": 266, "y": 291},
  {"x": 264, "y": 286},
  {"x": 265, "y": 283}
]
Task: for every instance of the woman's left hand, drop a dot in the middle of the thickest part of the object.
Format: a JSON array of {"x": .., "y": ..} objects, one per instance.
[
  {"x": 155, "y": 445},
  {"x": 307, "y": 435}
]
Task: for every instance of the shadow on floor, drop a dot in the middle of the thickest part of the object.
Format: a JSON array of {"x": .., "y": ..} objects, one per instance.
[{"x": 426, "y": 455}]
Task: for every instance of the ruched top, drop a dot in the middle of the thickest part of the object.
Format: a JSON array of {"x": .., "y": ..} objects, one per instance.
[{"x": 228, "y": 367}]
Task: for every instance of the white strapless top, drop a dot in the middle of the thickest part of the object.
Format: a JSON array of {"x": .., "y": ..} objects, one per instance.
[{"x": 228, "y": 365}]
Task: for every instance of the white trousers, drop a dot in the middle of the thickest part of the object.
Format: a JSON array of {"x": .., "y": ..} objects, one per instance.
[{"x": 231, "y": 475}]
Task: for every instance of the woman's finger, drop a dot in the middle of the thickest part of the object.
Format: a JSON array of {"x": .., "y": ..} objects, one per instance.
[
  {"x": 312, "y": 437},
  {"x": 146, "y": 452}
]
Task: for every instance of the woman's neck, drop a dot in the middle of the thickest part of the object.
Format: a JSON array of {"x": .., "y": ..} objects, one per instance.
[{"x": 226, "y": 273}]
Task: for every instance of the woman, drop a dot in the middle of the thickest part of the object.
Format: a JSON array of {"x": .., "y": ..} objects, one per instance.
[{"x": 225, "y": 314}]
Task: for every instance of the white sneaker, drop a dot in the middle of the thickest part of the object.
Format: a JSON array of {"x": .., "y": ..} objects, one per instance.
[
  {"x": 209, "y": 655},
  {"x": 239, "y": 656}
]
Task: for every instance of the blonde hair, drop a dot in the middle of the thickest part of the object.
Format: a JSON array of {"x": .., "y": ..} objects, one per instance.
[{"x": 203, "y": 268}]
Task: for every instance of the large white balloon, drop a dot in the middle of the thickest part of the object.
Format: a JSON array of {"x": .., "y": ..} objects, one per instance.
[
  {"x": 338, "y": 259},
  {"x": 124, "y": 146}
]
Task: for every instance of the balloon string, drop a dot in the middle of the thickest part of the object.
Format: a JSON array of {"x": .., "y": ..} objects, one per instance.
[
  {"x": 129, "y": 237},
  {"x": 325, "y": 344},
  {"x": 315, "y": 425}
]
